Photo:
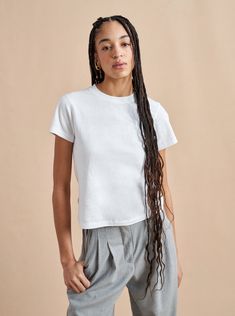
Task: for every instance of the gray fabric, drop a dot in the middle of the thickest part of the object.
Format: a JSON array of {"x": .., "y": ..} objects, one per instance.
[{"x": 115, "y": 258}]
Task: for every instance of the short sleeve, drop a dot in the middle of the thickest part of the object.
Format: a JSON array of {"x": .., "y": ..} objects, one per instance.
[
  {"x": 62, "y": 123},
  {"x": 165, "y": 133}
]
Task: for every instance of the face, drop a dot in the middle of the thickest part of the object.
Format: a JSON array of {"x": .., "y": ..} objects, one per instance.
[{"x": 113, "y": 45}]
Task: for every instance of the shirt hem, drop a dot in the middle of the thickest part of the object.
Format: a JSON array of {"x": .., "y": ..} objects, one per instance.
[
  {"x": 108, "y": 223},
  {"x": 62, "y": 134},
  {"x": 169, "y": 144}
]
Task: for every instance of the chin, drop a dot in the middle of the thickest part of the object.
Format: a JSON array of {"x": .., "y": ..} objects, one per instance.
[{"x": 121, "y": 74}]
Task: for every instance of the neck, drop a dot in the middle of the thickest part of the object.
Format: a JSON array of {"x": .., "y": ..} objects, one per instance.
[{"x": 118, "y": 87}]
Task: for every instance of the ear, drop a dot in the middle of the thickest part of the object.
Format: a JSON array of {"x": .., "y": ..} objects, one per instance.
[{"x": 96, "y": 57}]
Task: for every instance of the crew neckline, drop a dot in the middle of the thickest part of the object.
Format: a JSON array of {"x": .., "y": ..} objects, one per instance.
[{"x": 105, "y": 96}]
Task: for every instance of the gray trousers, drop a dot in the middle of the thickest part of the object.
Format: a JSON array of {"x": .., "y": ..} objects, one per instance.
[{"x": 115, "y": 258}]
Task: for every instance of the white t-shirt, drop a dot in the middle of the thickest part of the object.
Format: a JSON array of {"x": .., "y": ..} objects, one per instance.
[{"x": 108, "y": 153}]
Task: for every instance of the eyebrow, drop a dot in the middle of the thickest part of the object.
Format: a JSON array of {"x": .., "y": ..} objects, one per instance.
[{"x": 107, "y": 39}]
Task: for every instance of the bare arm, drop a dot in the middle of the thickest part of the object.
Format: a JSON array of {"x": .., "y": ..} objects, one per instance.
[
  {"x": 73, "y": 270},
  {"x": 61, "y": 198}
]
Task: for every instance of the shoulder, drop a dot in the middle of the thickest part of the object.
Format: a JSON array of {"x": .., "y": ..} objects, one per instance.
[
  {"x": 158, "y": 110},
  {"x": 73, "y": 98}
]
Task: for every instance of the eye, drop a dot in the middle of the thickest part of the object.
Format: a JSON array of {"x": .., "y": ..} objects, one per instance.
[
  {"x": 126, "y": 44},
  {"x": 104, "y": 48}
]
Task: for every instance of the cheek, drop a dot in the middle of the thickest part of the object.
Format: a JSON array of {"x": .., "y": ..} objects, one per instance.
[
  {"x": 104, "y": 59},
  {"x": 130, "y": 54},
  {"x": 131, "y": 57}
]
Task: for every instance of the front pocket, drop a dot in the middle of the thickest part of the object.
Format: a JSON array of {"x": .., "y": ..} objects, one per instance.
[{"x": 90, "y": 253}]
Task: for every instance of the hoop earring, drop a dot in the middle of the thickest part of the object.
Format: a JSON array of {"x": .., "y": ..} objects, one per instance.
[
  {"x": 97, "y": 66},
  {"x": 98, "y": 74}
]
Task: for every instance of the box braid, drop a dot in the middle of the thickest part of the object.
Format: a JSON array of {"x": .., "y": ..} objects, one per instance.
[{"x": 153, "y": 162}]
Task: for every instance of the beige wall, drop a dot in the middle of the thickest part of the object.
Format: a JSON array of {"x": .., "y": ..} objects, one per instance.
[{"x": 188, "y": 62}]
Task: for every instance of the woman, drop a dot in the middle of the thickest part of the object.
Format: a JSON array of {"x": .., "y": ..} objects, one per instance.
[{"x": 117, "y": 137}]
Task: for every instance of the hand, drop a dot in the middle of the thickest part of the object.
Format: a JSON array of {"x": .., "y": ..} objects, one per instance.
[
  {"x": 180, "y": 272},
  {"x": 74, "y": 276}
]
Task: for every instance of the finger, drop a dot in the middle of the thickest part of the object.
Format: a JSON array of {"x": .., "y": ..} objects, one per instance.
[
  {"x": 78, "y": 286},
  {"x": 82, "y": 276},
  {"x": 86, "y": 282},
  {"x": 83, "y": 279}
]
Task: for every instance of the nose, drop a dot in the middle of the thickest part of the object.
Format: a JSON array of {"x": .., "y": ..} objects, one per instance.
[
  {"x": 117, "y": 52},
  {"x": 117, "y": 55}
]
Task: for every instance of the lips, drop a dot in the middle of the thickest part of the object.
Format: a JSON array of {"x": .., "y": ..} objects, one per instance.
[{"x": 118, "y": 64}]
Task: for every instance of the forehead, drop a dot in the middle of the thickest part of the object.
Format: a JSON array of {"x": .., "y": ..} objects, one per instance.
[{"x": 111, "y": 30}]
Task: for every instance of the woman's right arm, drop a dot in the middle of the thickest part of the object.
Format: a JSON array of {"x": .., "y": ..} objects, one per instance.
[
  {"x": 62, "y": 167},
  {"x": 74, "y": 276}
]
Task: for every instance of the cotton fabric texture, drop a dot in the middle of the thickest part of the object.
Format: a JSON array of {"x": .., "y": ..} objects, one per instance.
[{"x": 108, "y": 153}]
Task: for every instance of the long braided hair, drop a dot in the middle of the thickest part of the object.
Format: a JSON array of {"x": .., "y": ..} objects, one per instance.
[{"x": 153, "y": 166}]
